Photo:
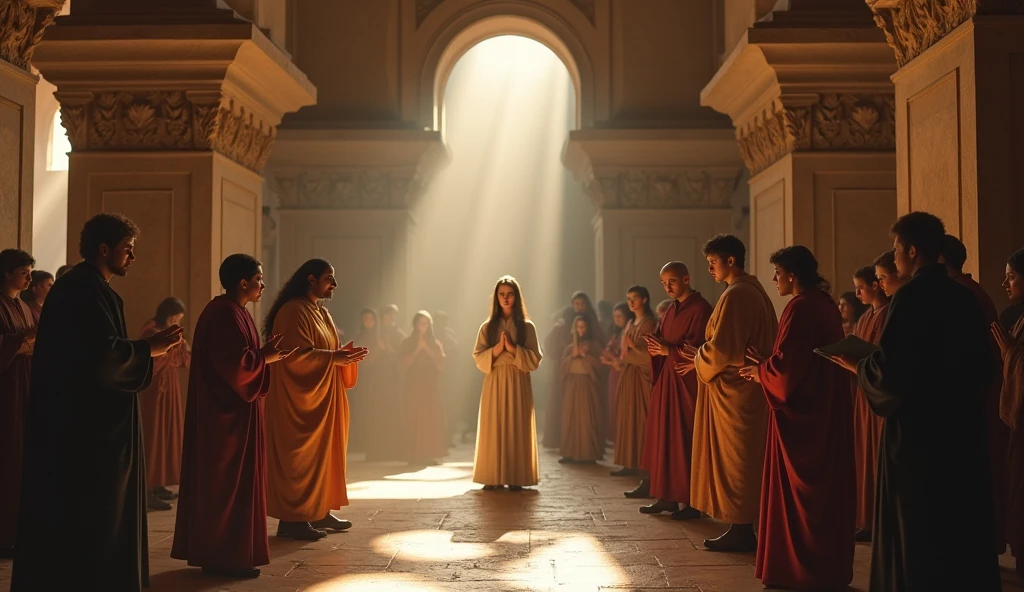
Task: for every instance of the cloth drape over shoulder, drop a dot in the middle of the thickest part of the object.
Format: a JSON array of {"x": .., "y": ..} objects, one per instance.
[{"x": 307, "y": 416}]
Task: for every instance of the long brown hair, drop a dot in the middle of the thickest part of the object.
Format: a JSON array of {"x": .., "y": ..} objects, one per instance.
[{"x": 519, "y": 314}]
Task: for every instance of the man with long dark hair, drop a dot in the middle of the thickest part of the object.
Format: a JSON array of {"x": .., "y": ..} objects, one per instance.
[
  {"x": 84, "y": 426},
  {"x": 307, "y": 409}
]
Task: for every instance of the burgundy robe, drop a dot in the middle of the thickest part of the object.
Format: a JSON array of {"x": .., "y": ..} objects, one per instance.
[
  {"x": 998, "y": 432},
  {"x": 222, "y": 503},
  {"x": 668, "y": 439},
  {"x": 867, "y": 427},
  {"x": 15, "y": 375},
  {"x": 806, "y": 533}
]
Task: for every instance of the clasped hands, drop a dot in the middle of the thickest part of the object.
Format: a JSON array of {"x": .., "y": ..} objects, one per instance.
[
  {"x": 162, "y": 342},
  {"x": 659, "y": 347},
  {"x": 752, "y": 372},
  {"x": 504, "y": 344}
]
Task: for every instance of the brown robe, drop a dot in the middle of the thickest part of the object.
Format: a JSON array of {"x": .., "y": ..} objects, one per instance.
[
  {"x": 634, "y": 395},
  {"x": 867, "y": 427},
  {"x": 731, "y": 416},
  {"x": 1011, "y": 410},
  {"x": 307, "y": 417},
  {"x": 163, "y": 415},
  {"x": 581, "y": 405},
  {"x": 15, "y": 375},
  {"x": 506, "y": 435},
  {"x": 422, "y": 408}
]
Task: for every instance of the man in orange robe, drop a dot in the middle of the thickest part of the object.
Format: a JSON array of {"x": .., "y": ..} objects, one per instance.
[
  {"x": 954, "y": 256},
  {"x": 668, "y": 437},
  {"x": 307, "y": 408}
]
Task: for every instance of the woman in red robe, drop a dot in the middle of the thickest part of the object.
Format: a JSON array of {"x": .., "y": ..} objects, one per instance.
[
  {"x": 163, "y": 410},
  {"x": 612, "y": 358},
  {"x": 422, "y": 357},
  {"x": 221, "y": 524},
  {"x": 806, "y": 525},
  {"x": 35, "y": 295}
]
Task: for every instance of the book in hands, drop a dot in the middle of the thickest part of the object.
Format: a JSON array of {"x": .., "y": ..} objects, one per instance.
[{"x": 850, "y": 346}]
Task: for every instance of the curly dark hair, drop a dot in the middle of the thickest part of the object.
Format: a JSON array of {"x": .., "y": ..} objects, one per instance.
[
  {"x": 921, "y": 230},
  {"x": 104, "y": 229},
  {"x": 725, "y": 246},
  {"x": 799, "y": 261}
]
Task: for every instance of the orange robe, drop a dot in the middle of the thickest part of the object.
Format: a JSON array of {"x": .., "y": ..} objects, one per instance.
[
  {"x": 731, "y": 416},
  {"x": 867, "y": 427},
  {"x": 581, "y": 405},
  {"x": 163, "y": 415},
  {"x": 634, "y": 395},
  {"x": 307, "y": 417},
  {"x": 422, "y": 408},
  {"x": 15, "y": 374}
]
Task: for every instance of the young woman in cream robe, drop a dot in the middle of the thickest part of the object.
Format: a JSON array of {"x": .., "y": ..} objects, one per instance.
[{"x": 506, "y": 352}]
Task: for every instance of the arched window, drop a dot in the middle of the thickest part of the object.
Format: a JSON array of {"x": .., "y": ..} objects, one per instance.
[{"x": 57, "y": 151}]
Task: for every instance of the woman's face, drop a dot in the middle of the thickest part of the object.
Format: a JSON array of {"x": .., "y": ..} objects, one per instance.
[
  {"x": 175, "y": 319},
  {"x": 1013, "y": 284},
  {"x": 252, "y": 289},
  {"x": 635, "y": 302},
  {"x": 619, "y": 318},
  {"x": 369, "y": 321},
  {"x": 506, "y": 297},
  {"x": 581, "y": 328},
  {"x": 845, "y": 310},
  {"x": 579, "y": 305},
  {"x": 41, "y": 289},
  {"x": 19, "y": 279},
  {"x": 783, "y": 281},
  {"x": 422, "y": 324}
]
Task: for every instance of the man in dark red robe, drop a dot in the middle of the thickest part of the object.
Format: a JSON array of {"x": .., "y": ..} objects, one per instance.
[
  {"x": 221, "y": 524},
  {"x": 668, "y": 438},
  {"x": 17, "y": 336},
  {"x": 954, "y": 256},
  {"x": 806, "y": 526},
  {"x": 83, "y": 427}
]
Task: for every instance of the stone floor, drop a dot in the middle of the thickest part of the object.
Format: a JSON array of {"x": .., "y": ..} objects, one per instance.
[{"x": 429, "y": 529}]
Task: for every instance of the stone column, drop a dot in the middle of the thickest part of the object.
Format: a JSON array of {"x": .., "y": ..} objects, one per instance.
[
  {"x": 345, "y": 195},
  {"x": 809, "y": 94},
  {"x": 22, "y": 24},
  {"x": 960, "y": 121},
  {"x": 171, "y": 112},
  {"x": 660, "y": 194}
]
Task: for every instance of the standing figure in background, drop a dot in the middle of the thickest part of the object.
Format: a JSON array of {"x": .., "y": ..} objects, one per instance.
[
  {"x": 662, "y": 308},
  {"x": 581, "y": 306},
  {"x": 385, "y": 418},
  {"x": 35, "y": 294},
  {"x": 581, "y": 419},
  {"x": 17, "y": 338},
  {"x": 221, "y": 524},
  {"x": 805, "y": 532},
  {"x": 867, "y": 427},
  {"x": 363, "y": 398},
  {"x": 850, "y": 309},
  {"x": 163, "y": 410},
  {"x": 888, "y": 277},
  {"x": 611, "y": 358},
  {"x": 558, "y": 338},
  {"x": 455, "y": 397},
  {"x": 633, "y": 399},
  {"x": 605, "y": 311},
  {"x": 506, "y": 352},
  {"x": 422, "y": 358},
  {"x": 83, "y": 427},
  {"x": 307, "y": 407}
]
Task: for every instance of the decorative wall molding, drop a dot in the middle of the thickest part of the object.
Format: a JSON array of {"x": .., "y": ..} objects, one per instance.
[
  {"x": 849, "y": 121},
  {"x": 424, "y": 8},
  {"x": 348, "y": 189},
  {"x": 22, "y": 24},
  {"x": 912, "y": 26},
  {"x": 165, "y": 120},
  {"x": 662, "y": 189},
  {"x": 588, "y": 8}
]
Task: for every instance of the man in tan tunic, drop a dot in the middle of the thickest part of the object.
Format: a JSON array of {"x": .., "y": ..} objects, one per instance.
[{"x": 731, "y": 417}]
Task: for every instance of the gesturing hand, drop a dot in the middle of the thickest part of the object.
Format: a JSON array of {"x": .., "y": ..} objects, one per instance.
[
  {"x": 655, "y": 346},
  {"x": 1002, "y": 338},
  {"x": 688, "y": 353},
  {"x": 751, "y": 373},
  {"x": 270, "y": 350},
  {"x": 160, "y": 343},
  {"x": 349, "y": 354}
]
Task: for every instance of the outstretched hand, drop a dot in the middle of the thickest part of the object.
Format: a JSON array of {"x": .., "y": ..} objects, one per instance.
[
  {"x": 272, "y": 352},
  {"x": 349, "y": 354},
  {"x": 160, "y": 343}
]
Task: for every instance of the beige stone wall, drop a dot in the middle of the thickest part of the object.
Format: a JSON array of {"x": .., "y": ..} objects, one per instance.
[{"x": 17, "y": 155}]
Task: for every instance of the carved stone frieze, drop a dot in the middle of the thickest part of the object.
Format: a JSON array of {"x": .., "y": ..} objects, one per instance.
[
  {"x": 661, "y": 189},
  {"x": 348, "y": 189},
  {"x": 165, "y": 120},
  {"x": 22, "y": 24},
  {"x": 424, "y": 8},
  {"x": 912, "y": 26},
  {"x": 848, "y": 121}
]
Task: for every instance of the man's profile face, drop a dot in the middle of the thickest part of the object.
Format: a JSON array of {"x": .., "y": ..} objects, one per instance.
[
  {"x": 719, "y": 267},
  {"x": 253, "y": 288},
  {"x": 904, "y": 256},
  {"x": 119, "y": 258},
  {"x": 323, "y": 287}
]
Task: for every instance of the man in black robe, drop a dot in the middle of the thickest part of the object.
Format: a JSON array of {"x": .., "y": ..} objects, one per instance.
[
  {"x": 933, "y": 500},
  {"x": 83, "y": 429}
]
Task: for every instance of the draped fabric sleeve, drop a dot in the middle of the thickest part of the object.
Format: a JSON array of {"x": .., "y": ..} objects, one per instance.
[
  {"x": 482, "y": 351},
  {"x": 638, "y": 354},
  {"x": 349, "y": 375},
  {"x": 1011, "y": 399},
  {"x": 310, "y": 366},
  {"x": 784, "y": 371},
  {"x": 236, "y": 358},
  {"x": 118, "y": 364},
  {"x": 10, "y": 342},
  {"x": 886, "y": 376},
  {"x": 728, "y": 345},
  {"x": 527, "y": 356}
]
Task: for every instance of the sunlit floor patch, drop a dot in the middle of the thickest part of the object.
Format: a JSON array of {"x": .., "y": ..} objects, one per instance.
[{"x": 442, "y": 481}]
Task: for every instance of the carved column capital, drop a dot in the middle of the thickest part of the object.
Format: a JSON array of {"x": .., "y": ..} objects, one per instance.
[
  {"x": 22, "y": 24},
  {"x": 912, "y": 26},
  {"x": 659, "y": 189},
  {"x": 846, "y": 121},
  {"x": 348, "y": 189}
]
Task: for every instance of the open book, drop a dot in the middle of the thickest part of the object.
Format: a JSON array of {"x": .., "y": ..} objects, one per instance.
[{"x": 851, "y": 345}]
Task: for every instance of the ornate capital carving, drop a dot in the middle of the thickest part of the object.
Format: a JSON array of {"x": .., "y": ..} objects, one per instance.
[
  {"x": 348, "y": 189},
  {"x": 22, "y": 24},
  {"x": 661, "y": 189},
  {"x": 165, "y": 120},
  {"x": 846, "y": 121},
  {"x": 912, "y": 26}
]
